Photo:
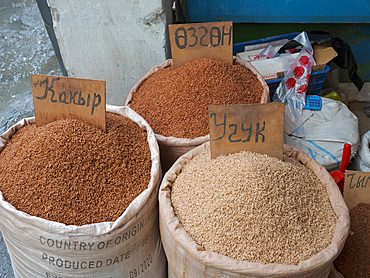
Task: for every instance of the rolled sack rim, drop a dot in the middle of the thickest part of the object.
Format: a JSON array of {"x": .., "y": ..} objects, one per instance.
[
  {"x": 100, "y": 228},
  {"x": 321, "y": 261},
  {"x": 183, "y": 142}
]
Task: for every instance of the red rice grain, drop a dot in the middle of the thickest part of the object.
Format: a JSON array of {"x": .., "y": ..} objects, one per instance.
[
  {"x": 71, "y": 172},
  {"x": 174, "y": 101}
]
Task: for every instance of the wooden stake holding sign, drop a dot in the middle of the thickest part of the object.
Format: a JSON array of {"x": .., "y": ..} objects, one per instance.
[
  {"x": 356, "y": 188},
  {"x": 251, "y": 127},
  {"x": 57, "y": 97},
  {"x": 200, "y": 40}
]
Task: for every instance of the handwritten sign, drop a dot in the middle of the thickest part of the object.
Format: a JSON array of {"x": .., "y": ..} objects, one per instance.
[
  {"x": 356, "y": 188},
  {"x": 57, "y": 97},
  {"x": 199, "y": 40},
  {"x": 253, "y": 127}
]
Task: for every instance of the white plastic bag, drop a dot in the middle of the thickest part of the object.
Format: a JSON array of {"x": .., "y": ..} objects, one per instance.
[
  {"x": 326, "y": 132},
  {"x": 292, "y": 89},
  {"x": 361, "y": 161},
  {"x": 128, "y": 247}
]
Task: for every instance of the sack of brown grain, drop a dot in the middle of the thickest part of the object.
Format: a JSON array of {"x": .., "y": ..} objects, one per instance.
[
  {"x": 91, "y": 198},
  {"x": 250, "y": 215},
  {"x": 175, "y": 101},
  {"x": 353, "y": 261}
]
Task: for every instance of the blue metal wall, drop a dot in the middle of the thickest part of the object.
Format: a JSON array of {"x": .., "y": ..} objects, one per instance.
[
  {"x": 348, "y": 20},
  {"x": 273, "y": 11}
]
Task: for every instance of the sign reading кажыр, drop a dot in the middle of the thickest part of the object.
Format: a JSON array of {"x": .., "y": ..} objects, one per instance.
[{"x": 56, "y": 97}]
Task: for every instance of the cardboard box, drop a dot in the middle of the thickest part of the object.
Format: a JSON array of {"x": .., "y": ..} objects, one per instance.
[
  {"x": 323, "y": 54},
  {"x": 272, "y": 69}
]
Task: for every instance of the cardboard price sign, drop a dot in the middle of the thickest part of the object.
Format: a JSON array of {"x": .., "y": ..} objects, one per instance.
[
  {"x": 252, "y": 127},
  {"x": 356, "y": 188},
  {"x": 56, "y": 97},
  {"x": 199, "y": 40}
]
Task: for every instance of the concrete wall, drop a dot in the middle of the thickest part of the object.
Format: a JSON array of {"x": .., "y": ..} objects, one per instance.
[{"x": 117, "y": 41}]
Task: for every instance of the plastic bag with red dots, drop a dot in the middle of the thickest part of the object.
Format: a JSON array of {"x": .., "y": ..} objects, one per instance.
[{"x": 292, "y": 89}]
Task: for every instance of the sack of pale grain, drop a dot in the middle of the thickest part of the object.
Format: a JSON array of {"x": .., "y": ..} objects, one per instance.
[
  {"x": 101, "y": 238},
  {"x": 175, "y": 101},
  {"x": 250, "y": 215}
]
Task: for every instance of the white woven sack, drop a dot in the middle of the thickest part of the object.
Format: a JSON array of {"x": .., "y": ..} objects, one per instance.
[
  {"x": 361, "y": 162},
  {"x": 187, "y": 259},
  {"x": 128, "y": 247},
  {"x": 326, "y": 132},
  {"x": 172, "y": 147}
]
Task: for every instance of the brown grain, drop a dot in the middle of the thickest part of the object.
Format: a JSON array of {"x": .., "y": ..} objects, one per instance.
[
  {"x": 72, "y": 172},
  {"x": 175, "y": 101},
  {"x": 253, "y": 207},
  {"x": 354, "y": 260}
]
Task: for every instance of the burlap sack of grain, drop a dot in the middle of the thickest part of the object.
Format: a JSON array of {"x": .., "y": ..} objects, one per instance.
[
  {"x": 187, "y": 259},
  {"x": 128, "y": 247},
  {"x": 172, "y": 148}
]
